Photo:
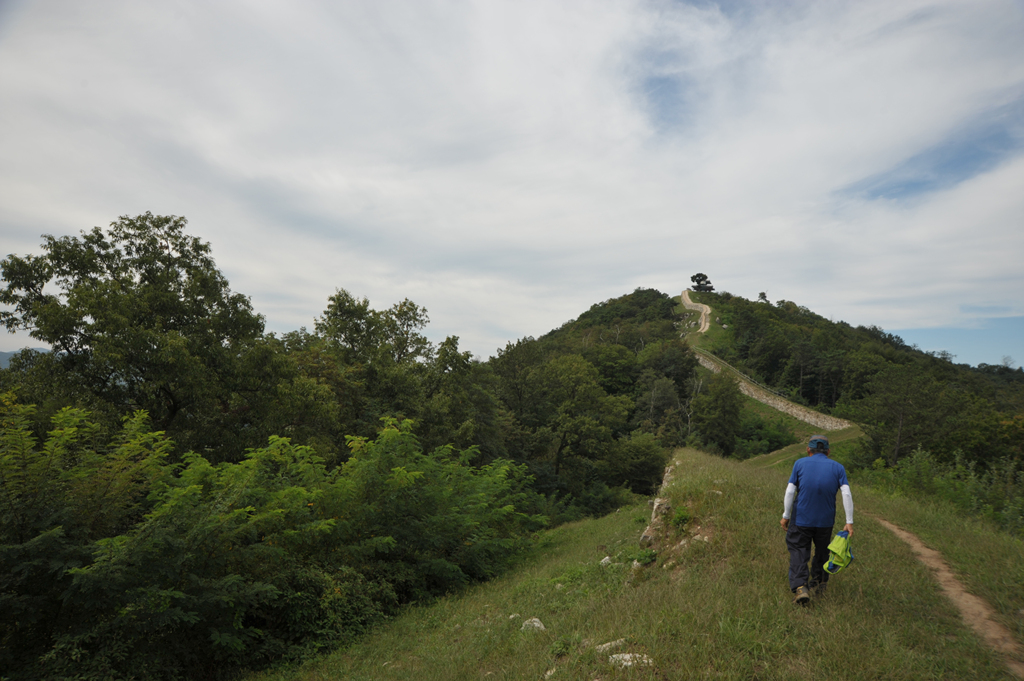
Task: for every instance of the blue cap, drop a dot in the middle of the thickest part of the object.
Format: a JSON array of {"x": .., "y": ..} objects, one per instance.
[{"x": 818, "y": 443}]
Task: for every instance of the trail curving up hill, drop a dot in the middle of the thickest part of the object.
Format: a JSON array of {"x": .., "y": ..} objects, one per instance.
[
  {"x": 705, "y": 311},
  {"x": 751, "y": 388}
]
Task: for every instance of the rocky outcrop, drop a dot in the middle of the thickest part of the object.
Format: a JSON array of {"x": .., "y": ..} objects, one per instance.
[
  {"x": 660, "y": 511},
  {"x": 662, "y": 508}
]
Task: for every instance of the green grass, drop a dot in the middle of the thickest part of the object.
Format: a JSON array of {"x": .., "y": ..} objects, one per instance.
[
  {"x": 842, "y": 443},
  {"x": 802, "y": 430},
  {"x": 708, "y": 610},
  {"x": 988, "y": 561}
]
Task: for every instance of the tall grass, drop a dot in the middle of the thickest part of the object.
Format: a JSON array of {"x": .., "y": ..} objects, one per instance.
[
  {"x": 994, "y": 493},
  {"x": 716, "y": 609}
]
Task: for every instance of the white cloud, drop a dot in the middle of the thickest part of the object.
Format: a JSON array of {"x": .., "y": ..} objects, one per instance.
[{"x": 507, "y": 164}]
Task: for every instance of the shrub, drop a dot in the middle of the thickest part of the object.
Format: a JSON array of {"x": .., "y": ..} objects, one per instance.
[
  {"x": 995, "y": 492},
  {"x": 646, "y": 556},
  {"x": 758, "y": 436},
  {"x": 116, "y": 564},
  {"x": 681, "y": 517}
]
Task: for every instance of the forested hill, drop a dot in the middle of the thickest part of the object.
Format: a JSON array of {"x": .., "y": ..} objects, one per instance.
[
  {"x": 183, "y": 494},
  {"x": 905, "y": 398}
]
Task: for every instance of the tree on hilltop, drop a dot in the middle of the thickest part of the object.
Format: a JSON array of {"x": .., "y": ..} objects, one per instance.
[{"x": 702, "y": 283}]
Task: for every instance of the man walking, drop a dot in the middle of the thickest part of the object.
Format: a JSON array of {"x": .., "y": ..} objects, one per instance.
[{"x": 814, "y": 483}]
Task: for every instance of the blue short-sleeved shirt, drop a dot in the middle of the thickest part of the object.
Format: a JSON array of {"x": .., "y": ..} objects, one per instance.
[{"x": 817, "y": 478}]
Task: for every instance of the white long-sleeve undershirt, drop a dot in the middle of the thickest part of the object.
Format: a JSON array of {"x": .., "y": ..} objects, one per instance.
[
  {"x": 788, "y": 501},
  {"x": 791, "y": 494},
  {"x": 847, "y": 503}
]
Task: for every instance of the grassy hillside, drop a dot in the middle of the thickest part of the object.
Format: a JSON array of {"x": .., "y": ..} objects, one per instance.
[
  {"x": 710, "y": 609},
  {"x": 841, "y": 441}
]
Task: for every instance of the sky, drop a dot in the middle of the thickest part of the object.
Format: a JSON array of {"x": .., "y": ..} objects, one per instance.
[{"x": 508, "y": 164}]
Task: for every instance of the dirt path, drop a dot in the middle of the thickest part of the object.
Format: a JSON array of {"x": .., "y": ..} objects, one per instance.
[
  {"x": 705, "y": 311},
  {"x": 751, "y": 389},
  {"x": 976, "y": 612}
]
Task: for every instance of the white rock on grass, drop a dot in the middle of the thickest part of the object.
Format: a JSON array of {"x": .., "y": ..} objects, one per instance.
[
  {"x": 607, "y": 560},
  {"x": 623, "y": 660},
  {"x": 533, "y": 623},
  {"x": 514, "y": 616},
  {"x": 612, "y": 645}
]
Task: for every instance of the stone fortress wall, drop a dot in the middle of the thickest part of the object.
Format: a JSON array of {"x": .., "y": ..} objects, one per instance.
[{"x": 750, "y": 388}]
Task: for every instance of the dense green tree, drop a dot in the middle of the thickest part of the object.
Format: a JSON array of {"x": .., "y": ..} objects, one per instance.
[
  {"x": 140, "y": 316},
  {"x": 859, "y": 368},
  {"x": 461, "y": 406},
  {"x": 517, "y": 368},
  {"x": 642, "y": 305},
  {"x": 656, "y": 396},
  {"x": 717, "y": 412},
  {"x": 769, "y": 354},
  {"x": 669, "y": 358},
  {"x": 758, "y": 436},
  {"x": 615, "y": 364},
  {"x": 585, "y": 417},
  {"x": 637, "y": 462},
  {"x": 386, "y": 351},
  {"x": 365, "y": 335},
  {"x": 351, "y": 325},
  {"x": 902, "y": 409},
  {"x": 800, "y": 372}
]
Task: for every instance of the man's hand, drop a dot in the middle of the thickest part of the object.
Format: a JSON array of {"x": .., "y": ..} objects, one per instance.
[
  {"x": 785, "y": 523},
  {"x": 849, "y": 528}
]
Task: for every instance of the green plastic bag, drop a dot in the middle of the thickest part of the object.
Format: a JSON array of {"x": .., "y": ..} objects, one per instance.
[{"x": 840, "y": 553}]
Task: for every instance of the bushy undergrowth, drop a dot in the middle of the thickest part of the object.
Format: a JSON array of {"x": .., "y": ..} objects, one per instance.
[
  {"x": 994, "y": 492},
  {"x": 758, "y": 436},
  {"x": 116, "y": 564}
]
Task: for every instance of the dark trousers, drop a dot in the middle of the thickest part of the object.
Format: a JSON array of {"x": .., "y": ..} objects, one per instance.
[{"x": 798, "y": 541}]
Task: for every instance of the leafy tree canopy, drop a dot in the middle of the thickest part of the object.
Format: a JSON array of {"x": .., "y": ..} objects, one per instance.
[{"x": 139, "y": 317}]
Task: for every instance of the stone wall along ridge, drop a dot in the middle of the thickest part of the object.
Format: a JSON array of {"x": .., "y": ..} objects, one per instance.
[{"x": 750, "y": 388}]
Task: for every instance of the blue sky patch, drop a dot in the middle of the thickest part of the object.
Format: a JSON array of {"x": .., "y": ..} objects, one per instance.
[
  {"x": 667, "y": 100},
  {"x": 970, "y": 150},
  {"x": 994, "y": 339}
]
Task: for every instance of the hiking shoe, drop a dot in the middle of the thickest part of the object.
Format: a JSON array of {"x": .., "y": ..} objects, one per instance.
[
  {"x": 802, "y": 595},
  {"x": 819, "y": 590}
]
